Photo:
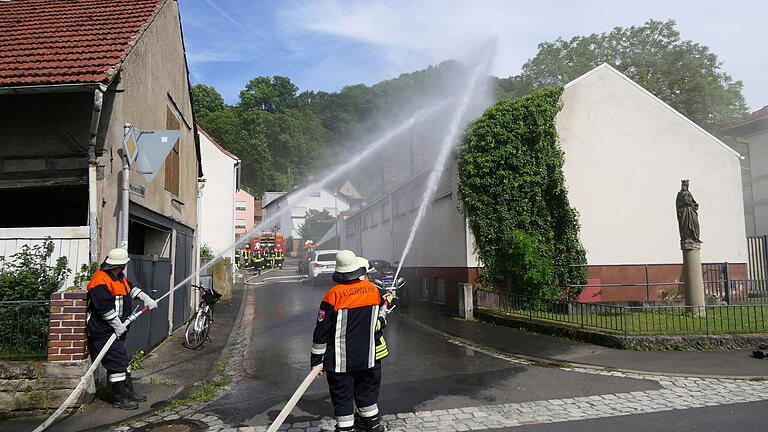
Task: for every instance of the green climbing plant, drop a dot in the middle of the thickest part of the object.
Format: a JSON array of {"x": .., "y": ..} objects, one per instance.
[{"x": 512, "y": 190}]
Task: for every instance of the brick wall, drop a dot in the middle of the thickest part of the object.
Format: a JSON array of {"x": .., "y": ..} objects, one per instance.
[{"x": 66, "y": 337}]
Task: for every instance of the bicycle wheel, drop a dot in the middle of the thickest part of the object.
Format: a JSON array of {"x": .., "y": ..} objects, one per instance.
[{"x": 197, "y": 330}]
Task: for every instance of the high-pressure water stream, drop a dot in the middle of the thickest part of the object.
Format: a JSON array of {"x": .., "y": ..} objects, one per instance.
[{"x": 446, "y": 147}]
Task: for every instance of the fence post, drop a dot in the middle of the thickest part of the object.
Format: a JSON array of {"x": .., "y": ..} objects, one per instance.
[
  {"x": 624, "y": 314},
  {"x": 727, "y": 283},
  {"x": 66, "y": 333}
]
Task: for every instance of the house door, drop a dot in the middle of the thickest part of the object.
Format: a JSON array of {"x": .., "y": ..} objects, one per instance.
[
  {"x": 152, "y": 275},
  {"x": 182, "y": 270}
]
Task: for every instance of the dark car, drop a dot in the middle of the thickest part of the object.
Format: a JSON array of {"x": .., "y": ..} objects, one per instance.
[{"x": 384, "y": 274}]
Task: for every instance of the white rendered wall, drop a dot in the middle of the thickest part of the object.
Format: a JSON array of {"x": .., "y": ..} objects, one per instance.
[
  {"x": 758, "y": 177},
  {"x": 625, "y": 154},
  {"x": 291, "y": 221},
  {"x": 218, "y": 206}
]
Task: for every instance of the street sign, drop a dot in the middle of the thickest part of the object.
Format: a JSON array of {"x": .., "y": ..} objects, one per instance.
[
  {"x": 154, "y": 147},
  {"x": 130, "y": 144}
]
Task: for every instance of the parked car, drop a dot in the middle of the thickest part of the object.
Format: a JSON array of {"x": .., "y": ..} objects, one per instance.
[
  {"x": 384, "y": 276},
  {"x": 321, "y": 265}
]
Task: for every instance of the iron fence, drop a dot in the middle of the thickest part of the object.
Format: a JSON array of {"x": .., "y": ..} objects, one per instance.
[
  {"x": 632, "y": 320},
  {"x": 24, "y": 328}
]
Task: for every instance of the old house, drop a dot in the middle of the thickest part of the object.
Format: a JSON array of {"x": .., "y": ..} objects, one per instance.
[
  {"x": 625, "y": 154},
  {"x": 72, "y": 74}
]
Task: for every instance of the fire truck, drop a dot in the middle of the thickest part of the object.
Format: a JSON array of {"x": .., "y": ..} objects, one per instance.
[{"x": 268, "y": 239}]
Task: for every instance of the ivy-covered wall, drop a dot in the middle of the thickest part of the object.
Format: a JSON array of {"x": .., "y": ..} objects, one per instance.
[{"x": 512, "y": 191}]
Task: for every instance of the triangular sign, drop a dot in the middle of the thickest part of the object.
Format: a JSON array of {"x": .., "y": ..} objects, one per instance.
[{"x": 154, "y": 147}]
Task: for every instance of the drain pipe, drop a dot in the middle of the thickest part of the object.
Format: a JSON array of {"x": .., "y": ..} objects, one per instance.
[
  {"x": 125, "y": 174},
  {"x": 198, "y": 236},
  {"x": 93, "y": 195}
]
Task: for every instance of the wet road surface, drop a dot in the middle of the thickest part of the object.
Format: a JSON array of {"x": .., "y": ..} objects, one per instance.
[{"x": 423, "y": 371}]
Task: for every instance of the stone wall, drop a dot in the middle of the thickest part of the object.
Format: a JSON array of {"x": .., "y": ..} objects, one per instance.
[{"x": 31, "y": 387}]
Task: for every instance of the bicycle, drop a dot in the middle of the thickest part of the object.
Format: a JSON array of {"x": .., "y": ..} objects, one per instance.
[{"x": 199, "y": 325}]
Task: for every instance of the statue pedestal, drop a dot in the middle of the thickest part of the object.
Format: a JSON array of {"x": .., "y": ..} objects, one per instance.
[{"x": 694, "y": 280}]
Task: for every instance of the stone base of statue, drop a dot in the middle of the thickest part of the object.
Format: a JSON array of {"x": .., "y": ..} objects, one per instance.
[{"x": 694, "y": 280}]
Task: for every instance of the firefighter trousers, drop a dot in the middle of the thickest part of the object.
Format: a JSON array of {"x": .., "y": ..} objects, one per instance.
[
  {"x": 355, "y": 389},
  {"x": 116, "y": 359}
]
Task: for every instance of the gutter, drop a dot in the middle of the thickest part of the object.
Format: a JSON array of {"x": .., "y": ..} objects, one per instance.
[
  {"x": 93, "y": 196},
  {"x": 52, "y": 88}
]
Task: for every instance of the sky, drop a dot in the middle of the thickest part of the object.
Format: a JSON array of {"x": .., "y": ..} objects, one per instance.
[{"x": 327, "y": 44}]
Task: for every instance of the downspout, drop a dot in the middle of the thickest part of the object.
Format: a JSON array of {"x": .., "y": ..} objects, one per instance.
[
  {"x": 125, "y": 177},
  {"x": 93, "y": 196},
  {"x": 198, "y": 236}
]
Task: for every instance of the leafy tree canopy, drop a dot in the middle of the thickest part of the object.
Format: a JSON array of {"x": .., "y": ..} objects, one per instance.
[
  {"x": 316, "y": 224},
  {"x": 682, "y": 73},
  {"x": 207, "y": 100}
]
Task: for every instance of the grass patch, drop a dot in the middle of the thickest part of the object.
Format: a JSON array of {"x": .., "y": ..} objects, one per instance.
[
  {"x": 657, "y": 320},
  {"x": 153, "y": 380},
  {"x": 758, "y": 379},
  {"x": 566, "y": 366},
  {"x": 137, "y": 361},
  {"x": 201, "y": 392}
]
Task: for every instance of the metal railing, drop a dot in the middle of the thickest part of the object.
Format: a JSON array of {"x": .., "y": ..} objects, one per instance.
[
  {"x": 631, "y": 320},
  {"x": 24, "y": 328}
]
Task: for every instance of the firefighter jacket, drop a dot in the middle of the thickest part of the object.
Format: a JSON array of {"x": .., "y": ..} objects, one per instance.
[
  {"x": 279, "y": 253},
  {"x": 257, "y": 256},
  {"x": 344, "y": 337},
  {"x": 108, "y": 297}
]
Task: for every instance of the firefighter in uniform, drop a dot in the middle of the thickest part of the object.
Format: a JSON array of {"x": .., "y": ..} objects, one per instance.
[
  {"x": 110, "y": 302},
  {"x": 279, "y": 256},
  {"x": 258, "y": 260},
  {"x": 343, "y": 342},
  {"x": 239, "y": 258}
]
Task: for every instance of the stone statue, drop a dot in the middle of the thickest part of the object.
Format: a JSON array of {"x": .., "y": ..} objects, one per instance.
[{"x": 687, "y": 218}]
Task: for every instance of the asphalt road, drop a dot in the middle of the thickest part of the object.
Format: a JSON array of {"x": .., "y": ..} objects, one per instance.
[{"x": 423, "y": 371}]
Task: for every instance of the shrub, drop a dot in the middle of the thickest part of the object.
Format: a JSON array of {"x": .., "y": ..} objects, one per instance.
[{"x": 27, "y": 275}]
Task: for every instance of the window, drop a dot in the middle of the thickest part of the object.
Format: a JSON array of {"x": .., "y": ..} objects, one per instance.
[
  {"x": 364, "y": 222},
  {"x": 440, "y": 291},
  {"x": 239, "y": 223},
  {"x": 172, "y": 160},
  {"x": 240, "y": 205},
  {"x": 315, "y": 194}
]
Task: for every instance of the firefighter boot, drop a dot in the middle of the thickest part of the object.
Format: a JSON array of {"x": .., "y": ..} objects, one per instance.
[
  {"x": 372, "y": 424},
  {"x": 120, "y": 398},
  {"x": 130, "y": 393}
]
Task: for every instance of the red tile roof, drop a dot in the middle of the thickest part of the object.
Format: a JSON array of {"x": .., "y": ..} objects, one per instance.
[
  {"x": 760, "y": 114},
  {"x": 45, "y": 42}
]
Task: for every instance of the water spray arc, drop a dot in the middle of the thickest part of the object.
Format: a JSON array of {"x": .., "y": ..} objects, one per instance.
[
  {"x": 446, "y": 147},
  {"x": 245, "y": 239}
]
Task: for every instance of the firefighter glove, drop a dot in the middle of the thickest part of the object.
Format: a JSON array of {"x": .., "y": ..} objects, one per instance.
[
  {"x": 315, "y": 359},
  {"x": 118, "y": 326},
  {"x": 148, "y": 301}
]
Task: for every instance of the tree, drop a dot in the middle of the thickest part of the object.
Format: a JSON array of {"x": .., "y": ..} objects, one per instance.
[
  {"x": 207, "y": 100},
  {"x": 268, "y": 94},
  {"x": 682, "y": 73},
  {"x": 316, "y": 224}
]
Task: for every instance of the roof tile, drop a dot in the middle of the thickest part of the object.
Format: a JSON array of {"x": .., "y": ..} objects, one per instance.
[{"x": 68, "y": 41}]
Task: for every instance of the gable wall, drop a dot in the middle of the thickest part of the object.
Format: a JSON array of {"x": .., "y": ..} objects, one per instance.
[{"x": 625, "y": 156}]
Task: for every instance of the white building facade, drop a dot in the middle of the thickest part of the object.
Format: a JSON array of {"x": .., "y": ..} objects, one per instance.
[
  {"x": 217, "y": 213},
  {"x": 626, "y": 152},
  {"x": 286, "y": 213}
]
